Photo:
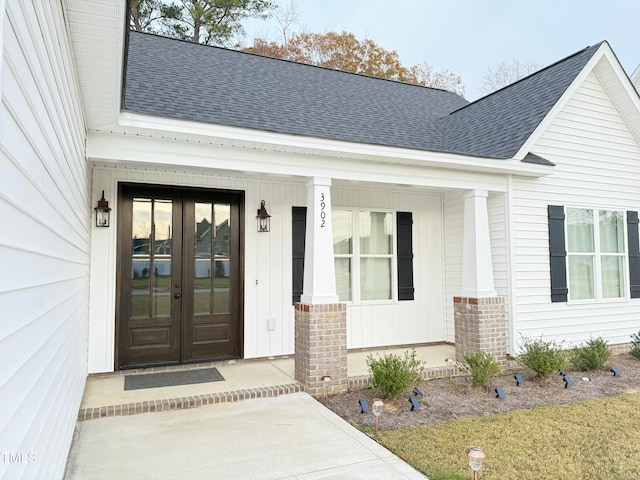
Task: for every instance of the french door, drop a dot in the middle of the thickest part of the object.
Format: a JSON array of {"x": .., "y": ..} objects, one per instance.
[{"x": 179, "y": 276}]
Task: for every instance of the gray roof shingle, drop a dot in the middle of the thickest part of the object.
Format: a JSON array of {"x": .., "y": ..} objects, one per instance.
[
  {"x": 497, "y": 125},
  {"x": 183, "y": 80}
]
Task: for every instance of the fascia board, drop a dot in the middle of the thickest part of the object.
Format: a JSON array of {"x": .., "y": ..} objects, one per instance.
[
  {"x": 319, "y": 146},
  {"x": 147, "y": 152}
]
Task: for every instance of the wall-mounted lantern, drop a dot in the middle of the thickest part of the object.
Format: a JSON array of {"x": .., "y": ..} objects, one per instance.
[
  {"x": 102, "y": 212},
  {"x": 264, "y": 219}
]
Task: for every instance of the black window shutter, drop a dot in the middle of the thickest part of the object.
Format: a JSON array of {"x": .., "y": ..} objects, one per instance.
[
  {"x": 557, "y": 254},
  {"x": 634, "y": 254},
  {"x": 404, "y": 229},
  {"x": 298, "y": 234}
]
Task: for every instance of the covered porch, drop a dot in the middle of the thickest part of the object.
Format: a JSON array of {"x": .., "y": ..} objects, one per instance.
[{"x": 105, "y": 396}]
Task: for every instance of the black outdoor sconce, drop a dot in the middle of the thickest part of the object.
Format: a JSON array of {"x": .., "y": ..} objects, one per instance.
[
  {"x": 102, "y": 212},
  {"x": 264, "y": 219}
]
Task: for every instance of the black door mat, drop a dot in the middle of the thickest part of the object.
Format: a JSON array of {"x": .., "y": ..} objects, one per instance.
[{"x": 170, "y": 379}]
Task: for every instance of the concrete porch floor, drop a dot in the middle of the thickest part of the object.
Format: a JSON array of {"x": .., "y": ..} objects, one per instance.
[{"x": 104, "y": 394}]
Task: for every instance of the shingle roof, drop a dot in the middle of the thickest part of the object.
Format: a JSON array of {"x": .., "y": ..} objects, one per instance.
[
  {"x": 182, "y": 80},
  {"x": 497, "y": 125}
]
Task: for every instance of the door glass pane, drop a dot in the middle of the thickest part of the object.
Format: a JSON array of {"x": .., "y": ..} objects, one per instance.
[
  {"x": 203, "y": 229},
  {"x": 140, "y": 287},
  {"x": 343, "y": 278},
  {"x": 203, "y": 241},
  {"x": 202, "y": 286},
  {"x": 611, "y": 231},
  {"x": 342, "y": 237},
  {"x": 222, "y": 251},
  {"x": 376, "y": 232},
  {"x": 161, "y": 287},
  {"x": 581, "y": 277},
  {"x": 141, "y": 258},
  {"x": 162, "y": 226},
  {"x": 221, "y": 287},
  {"x": 612, "y": 276},
  {"x": 375, "y": 278},
  {"x": 151, "y": 246},
  {"x": 141, "y": 226},
  {"x": 162, "y": 215}
]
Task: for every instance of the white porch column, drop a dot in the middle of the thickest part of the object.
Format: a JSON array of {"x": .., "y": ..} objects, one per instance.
[
  {"x": 319, "y": 283},
  {"x": 477, "y": 268}
]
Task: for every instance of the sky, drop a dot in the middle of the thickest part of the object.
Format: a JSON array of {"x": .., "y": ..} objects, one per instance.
[{"x": 468, "y": 37}]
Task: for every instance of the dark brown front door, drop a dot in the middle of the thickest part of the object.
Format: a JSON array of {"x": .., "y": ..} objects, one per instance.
[{"x": 179, "y": 271}]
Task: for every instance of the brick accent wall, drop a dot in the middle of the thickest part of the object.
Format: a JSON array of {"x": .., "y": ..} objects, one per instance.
[
  {"x": 481, "y": 326},
  {"x": 321, "y": 346}
]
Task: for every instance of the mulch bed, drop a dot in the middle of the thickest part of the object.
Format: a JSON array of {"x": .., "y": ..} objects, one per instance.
[{"x": 445, "y": 400}]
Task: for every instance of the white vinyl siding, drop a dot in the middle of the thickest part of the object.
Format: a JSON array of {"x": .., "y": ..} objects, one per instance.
[
  {"x": 44, "y": 242},
  {"x": 598, "y": 166}
]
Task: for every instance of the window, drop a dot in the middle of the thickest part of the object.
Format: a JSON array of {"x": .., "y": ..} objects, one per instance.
[
  {"x": 363, "y": 243},
  {"x": 347, "y": 259},
  {"x": 591, "y": 254}
]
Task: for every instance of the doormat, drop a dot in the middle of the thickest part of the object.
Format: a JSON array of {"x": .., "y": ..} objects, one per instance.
[{"x": 171, "y": 379}]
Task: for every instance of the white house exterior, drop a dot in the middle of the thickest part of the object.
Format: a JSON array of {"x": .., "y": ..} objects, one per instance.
[{"x": 423, "y": 212}]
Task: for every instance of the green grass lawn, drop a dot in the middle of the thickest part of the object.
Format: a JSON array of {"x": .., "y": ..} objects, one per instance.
[{"x": 589, "y": 440}]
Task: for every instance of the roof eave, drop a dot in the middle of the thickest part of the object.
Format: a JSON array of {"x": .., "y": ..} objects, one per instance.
[{"x": 297, "y": 144}]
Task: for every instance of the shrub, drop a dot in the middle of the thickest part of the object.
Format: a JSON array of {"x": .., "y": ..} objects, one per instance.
[
  {"x": 483, "y": 367},
  {"x": 591, "y": 356},
  {"x": 635, "y": 345},
  {"x": 393, "y": 375},
  {"x": 543, "y": 357}
]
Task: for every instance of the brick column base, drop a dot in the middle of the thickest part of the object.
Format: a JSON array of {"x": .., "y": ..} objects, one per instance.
[
  {"x": 321, "y": 346},
  {"x": 481, "y": 326}
]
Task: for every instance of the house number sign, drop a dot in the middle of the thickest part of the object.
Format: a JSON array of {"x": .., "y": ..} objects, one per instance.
[{"x": 323, "y": 213}]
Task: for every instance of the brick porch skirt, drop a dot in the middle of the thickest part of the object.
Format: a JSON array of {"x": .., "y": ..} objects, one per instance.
[
  {"x": 321, "y": 346},
  {"x": 481, "y": 326}
]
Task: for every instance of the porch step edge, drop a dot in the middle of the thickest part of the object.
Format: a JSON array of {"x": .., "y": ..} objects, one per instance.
[{"x": 192, "y": 401}]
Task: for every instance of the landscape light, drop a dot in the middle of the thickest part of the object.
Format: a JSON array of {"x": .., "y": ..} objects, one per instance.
[
  {"x": 364, "y": 405},
  {"x": 377, "y": 405},
  {"x": 476, "y": 455},
  {"x": 499, "y": 393},
  {"x": 326, "y": 380},
  {"x": 519, "y": 379},
  {"x": 616, "y": 372}
]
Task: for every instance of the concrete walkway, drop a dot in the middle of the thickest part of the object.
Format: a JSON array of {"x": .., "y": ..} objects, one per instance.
[{"x": 287, "y": 437}]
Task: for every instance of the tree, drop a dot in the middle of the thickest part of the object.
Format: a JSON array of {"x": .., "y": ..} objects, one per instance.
[
  {"x": 144, "y": 15},
  {"x": 344, "y": 51},
  {"x": 444, "y": 79},
  {"x": 211, "y": 22},
  {"x": 507, "y": 73}
]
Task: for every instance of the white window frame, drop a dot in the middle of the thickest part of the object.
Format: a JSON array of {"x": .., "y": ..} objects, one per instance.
[
  {"x": 597, "y": 256},
  {"x": 356, "y": 256}
]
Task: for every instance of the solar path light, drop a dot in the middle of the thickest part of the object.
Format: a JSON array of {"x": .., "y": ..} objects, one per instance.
[
  {"x": 476, "y": 456},
  {"x": 377, "y": 406},
  {"x": 326, "y": 381}
]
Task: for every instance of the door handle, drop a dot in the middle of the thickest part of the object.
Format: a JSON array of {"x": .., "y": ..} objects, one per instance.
[{"x": 177, "y": 295}]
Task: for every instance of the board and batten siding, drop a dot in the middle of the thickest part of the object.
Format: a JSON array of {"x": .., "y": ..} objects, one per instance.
[
  {"x": 597, "y": 165},
  {"x": 403, "y": 322},
  {"x": 268, "y": 311},
  {"x": 44, "y": 242}
]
